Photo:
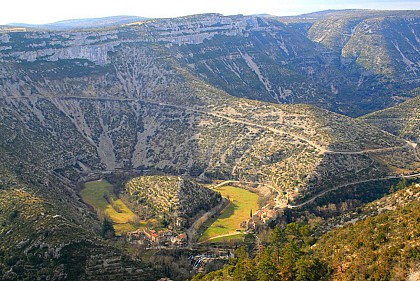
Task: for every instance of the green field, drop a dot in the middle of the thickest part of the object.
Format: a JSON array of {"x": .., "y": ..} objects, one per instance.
[
  {"x": 93, "y": 194},
  {"x": 228, "y": 223}
]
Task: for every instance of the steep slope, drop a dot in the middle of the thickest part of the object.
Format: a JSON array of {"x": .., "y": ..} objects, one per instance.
[
  {"x": 270, "y": 63},
  {"x": 377, "y": 50},
  {"x": 402, "y": 120},
  {"x": 384, "y": 246},
  {"x": 348, "y": 62}
]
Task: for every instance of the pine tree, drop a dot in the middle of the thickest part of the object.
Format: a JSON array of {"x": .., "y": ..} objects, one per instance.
[
  {"x": 278, "y": 239},
  {"x": 267, "y": 270},
  {"x": 308, "y": 269},
  {"x": 289, "y": 254},
  {"x": 401, "y": 184}
]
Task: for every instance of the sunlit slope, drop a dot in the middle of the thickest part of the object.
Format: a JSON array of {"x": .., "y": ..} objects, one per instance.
[{"x": 385, "y": 245}]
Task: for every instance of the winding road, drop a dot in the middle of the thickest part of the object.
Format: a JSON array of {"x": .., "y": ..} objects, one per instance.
[
  {"x": 214, "y": 114},
  {"x": 323, "y": 150},
  {"x": 348, "y": 184}
]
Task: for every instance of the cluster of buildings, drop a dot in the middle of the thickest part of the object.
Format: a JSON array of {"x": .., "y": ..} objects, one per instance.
[
  {"x": 261, "y": 218},
  {"x": 150, "y": 238}
]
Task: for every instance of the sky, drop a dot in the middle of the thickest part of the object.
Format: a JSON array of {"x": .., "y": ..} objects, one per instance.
[{"x": 47, "y": 11}]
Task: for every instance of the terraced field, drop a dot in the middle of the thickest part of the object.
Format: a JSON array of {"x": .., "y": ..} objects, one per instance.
[
  {"x": 227, "y": 225},
  {"x": 95, "y": 193}
]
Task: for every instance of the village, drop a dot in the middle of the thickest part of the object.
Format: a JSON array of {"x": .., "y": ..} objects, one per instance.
[
  {"x": 166, "y": 238},
  {"x": 149, "y": 238}
]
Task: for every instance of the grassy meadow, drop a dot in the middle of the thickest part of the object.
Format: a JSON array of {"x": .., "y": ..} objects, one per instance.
[
  {"x": 228, "y": 223},
  {"x": 121, "y": 216}
]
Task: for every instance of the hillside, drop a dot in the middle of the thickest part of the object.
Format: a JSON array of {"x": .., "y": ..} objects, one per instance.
[
  {"x": 144, "y": 110},
  {"x": 402, "y": 120},
  {"x": 383, "y": 246},
  {"x": 383, "y": 42},
  {"x": 375, "y": 48},
  {"x": 169, "y": 198},
  {"x": 386, "y": 245},
  {"x": 46, "y": 233}
]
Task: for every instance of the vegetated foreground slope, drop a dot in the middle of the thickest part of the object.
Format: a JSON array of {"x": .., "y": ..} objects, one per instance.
[
  {"x": 383, "y": 246},
  {"x": 402, "y": 120}
]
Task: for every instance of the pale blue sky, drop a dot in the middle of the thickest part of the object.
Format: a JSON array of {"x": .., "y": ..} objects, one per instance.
[{"x": 45, "y": 11}]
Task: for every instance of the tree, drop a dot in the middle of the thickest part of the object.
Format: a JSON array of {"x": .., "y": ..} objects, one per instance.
[
  {"x": 241, "y": 253},
  {"x": 278, "y": 239},
  {"x": 289, "y": 254},
  {"x": 308, "y": 269},
  {"x": 164, "y": 222},
  {"x": 299, "y": 233},
  {"x": 108, "y": 230},
  {"x": 293, "y": 232},
  {"x": 392, "y": 189},
  {"x": 13, "y": 215},
  {"x": 245, "y": 271},
  {"x": 249, "y": 243},
  {"x": 401, "y": 184},
  {"x": 267, "y": 270}
]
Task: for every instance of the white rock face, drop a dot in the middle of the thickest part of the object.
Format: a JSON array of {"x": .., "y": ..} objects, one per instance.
[
  {"x": 195, "y": 30},
  {"x": 95, "y": 45},
  {"x": 95, "y": 53}
]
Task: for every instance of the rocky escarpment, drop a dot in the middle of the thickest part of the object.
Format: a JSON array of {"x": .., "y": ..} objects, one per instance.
[
  {"x": 170, "y": 198},
  {"x": 334, "y": 61},
  {"x": 196, "y": 29},
  {"x": 52, "y": 46}
]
